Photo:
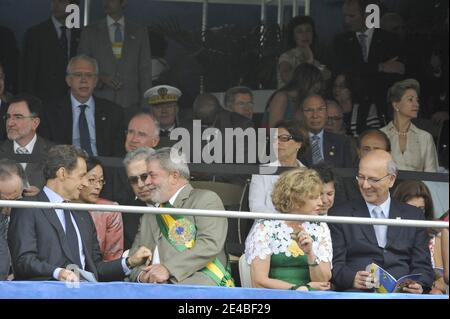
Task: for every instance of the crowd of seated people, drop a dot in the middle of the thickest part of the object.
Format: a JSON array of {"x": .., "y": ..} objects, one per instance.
[{"x": 96, "y": 104}]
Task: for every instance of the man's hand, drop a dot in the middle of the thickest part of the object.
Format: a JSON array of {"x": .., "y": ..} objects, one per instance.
[
  {"x": 393, "y": 66},
  {"x": 141, "y": 256},
  {"x": 361, "y": 280},
  {"x": 68, "y": 276},
  {"x": 413, "y": 288},
  {"x": 31, "y": 191},
  {"x": 158, "y": 273}
]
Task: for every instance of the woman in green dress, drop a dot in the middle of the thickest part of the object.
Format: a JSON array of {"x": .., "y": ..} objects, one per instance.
[{"x": 292, "y": 254}]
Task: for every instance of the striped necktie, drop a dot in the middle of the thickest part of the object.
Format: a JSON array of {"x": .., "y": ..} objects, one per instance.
[{"x": 316, "y": 152}]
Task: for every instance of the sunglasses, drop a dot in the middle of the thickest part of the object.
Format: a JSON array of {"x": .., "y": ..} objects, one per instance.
[{"x": 135, "y": 179}]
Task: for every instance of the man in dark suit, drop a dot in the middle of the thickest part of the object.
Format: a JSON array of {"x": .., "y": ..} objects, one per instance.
[
  {"x": 324, "y": 146},
  {"x": 43, "y": 242},
  {"x": 123, "y": 52},
  {"x": 47, "y": 48},
  {"x": 22, "y": 120},
  {"x": 12, "y": 179},
  {"x": 370, "y": 56},
  {"x": 398, "y": 250},
  {"x": 94, "y": 124}
]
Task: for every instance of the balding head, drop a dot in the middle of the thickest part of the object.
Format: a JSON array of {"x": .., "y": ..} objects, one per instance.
[
  {"x": 206, "y": 107},
  {"x": 376, "y": 175}
]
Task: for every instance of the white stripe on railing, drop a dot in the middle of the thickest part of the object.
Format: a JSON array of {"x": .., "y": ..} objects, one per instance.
[{"x": 221, "y": 213}]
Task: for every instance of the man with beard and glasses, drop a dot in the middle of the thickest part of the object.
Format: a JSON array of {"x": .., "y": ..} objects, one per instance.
[{"x": 187, "y": 249}]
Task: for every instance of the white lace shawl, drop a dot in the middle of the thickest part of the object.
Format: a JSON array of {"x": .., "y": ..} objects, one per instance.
[{"x": 269, "y": 237}]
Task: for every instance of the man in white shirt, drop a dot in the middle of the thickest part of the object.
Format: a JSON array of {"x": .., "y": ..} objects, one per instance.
[{"x": 22, "y": 121}]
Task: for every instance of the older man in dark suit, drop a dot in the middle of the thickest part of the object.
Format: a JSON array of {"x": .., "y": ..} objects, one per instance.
[
  {"x": 22, "y": 121},
  {"x": 93, "y": 124},
  {"x": 399, "y": 250},
  {"x": 324, "y": 146},
  {"x": 47, "y": 48},
  {"x": 43, "y": 242}
]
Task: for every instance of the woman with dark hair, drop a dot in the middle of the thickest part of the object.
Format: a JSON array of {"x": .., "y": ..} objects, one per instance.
[
  {"x": 413, "y": 149},
  {"x": 284, "y": 103},
  {"x": 109, "y": 225},
  {"x": 301, "y": 35},
  {"x": 290, "y": 141},
  {"x": 417, "y": 194}
]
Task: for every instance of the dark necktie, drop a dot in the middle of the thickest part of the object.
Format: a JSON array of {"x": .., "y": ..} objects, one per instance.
[
  {"x": 63, "y": 41},
  {"x": 362, "y": 37},
  {"x": 164, "y": 133},
  {"x": 72, "y": 239},
  {"x": 85, "y": 139}
]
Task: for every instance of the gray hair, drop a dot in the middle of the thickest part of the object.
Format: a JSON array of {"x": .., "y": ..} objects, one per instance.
[
  {"x": 141, "y": 153},
  {"x": 171, "y": 160},
  {"x": 396, "y": 91},
  {"x": 9, "y": 168},
  {"x": 82, "y": 57},
  {"x": 230, "y": 95},
  {"x": 391, "y": 168},
  {"x": 150, "y": 115}
]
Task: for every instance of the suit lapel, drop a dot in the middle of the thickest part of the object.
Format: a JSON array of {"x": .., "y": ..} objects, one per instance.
[
  {"x": 182, "y": 196},
  {"x": 53, "y": 219},
  {"x": 394, "y": 213},
  {"x": 101, "y": 119},
  {"x": 85, "y": 234},
  {"x": 360, "y": 210}
]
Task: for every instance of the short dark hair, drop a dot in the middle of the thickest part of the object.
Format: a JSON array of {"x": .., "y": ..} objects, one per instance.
[
  {"x": 378, "y": 132},
  {"x": 91, "y": 162},
  {"x": 230, "y": 95},
  {"x": 33, "y": 103},
  {"x": 296, "y": 21},
  {"x": 9, "y": 168},
  {"x": 325, "y": 172},
  {"x": 408, "y": 190},
  {"x": 62, "y": 156}
]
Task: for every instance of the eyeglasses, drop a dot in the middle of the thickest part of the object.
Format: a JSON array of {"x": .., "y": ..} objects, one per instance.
[
  {"x": 372, "y": 181},
  {"x": 94, "y": 182},
  {"x": 18, "y": 117},
  {"x": 285, "y": 138},
  {"x": 88, "y": 75},
  {"x": 334, "y": 118},
  {"x": 322, "y": 109},
  {"x": 135, "y": 179}
]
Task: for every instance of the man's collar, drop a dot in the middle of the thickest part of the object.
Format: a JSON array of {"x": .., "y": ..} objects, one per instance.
[
  {"x": 110, "y": 21},
  {"x": 56, "y": 23},
  {"x": 320, "y": 134},
  {"x": 29, "y": 146},
  {"x": 76, "y": 103}
]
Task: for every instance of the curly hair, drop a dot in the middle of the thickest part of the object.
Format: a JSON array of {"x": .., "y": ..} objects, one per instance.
[{"x": 294, "y": 187}]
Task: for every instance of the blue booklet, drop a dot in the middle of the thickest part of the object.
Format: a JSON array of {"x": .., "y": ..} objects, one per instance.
[{"x": 384, "y": 282}]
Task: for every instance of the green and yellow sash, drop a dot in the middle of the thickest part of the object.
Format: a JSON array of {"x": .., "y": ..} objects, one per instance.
[{"x": 181, "y": 233}]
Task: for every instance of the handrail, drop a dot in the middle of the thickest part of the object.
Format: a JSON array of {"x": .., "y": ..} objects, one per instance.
[{"x": 220, "y": 213}]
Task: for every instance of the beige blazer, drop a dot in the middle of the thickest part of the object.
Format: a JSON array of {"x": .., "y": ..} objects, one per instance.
[
  {"x": 420, "y": 154},
  {"x": 211, "y": 234}
]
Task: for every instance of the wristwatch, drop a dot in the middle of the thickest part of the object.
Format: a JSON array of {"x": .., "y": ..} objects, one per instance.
[{"x": 127, "y": 262}]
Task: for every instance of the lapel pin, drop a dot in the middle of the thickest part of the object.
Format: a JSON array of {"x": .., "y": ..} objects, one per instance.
[
  {"x": 104, "y": 118},
  {"x": 332, "y": 150}
]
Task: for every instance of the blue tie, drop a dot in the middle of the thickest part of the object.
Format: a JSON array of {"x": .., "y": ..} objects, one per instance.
[
  {"x": 72, "y": 239},
  {"x": 85, "y": 139},
  {"x": 118, "y": 33},
  {"x": 380, "y": 230},
  {"x": 316, "y": 152}
]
